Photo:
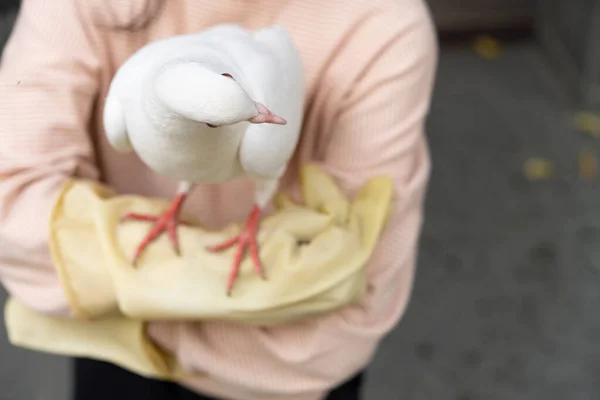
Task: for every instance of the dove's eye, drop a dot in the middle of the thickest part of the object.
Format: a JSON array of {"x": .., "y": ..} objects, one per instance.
[{"x": 211, "y": 126}]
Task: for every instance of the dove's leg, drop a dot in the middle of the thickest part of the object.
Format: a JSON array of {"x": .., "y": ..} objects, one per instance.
[
  {"x": 246, "y": 240},
  {"x": 167, "y": 222}
]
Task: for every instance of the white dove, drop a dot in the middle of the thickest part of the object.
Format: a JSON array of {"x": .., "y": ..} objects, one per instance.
[{"x": 197, "y": 108}]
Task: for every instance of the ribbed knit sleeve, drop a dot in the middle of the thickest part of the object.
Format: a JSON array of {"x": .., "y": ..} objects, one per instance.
[{"x": 47, "y": 88}]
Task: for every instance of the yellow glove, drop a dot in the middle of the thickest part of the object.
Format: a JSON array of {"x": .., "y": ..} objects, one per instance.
[{"x": 313, "y": 254}]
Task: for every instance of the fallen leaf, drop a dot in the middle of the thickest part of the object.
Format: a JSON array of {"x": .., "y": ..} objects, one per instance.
[
  {"x": 588, "y": 123},
  {"x": 537, "y": 169},
  {"x": 487, "y": 47},
  {"x": 588, "y": 164}
]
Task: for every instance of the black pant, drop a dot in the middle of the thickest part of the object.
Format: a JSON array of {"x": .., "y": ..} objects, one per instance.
[{"x": 97, "y": 380}]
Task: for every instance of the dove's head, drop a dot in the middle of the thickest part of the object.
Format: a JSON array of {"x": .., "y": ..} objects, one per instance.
[{"x": 198, "y": 93}]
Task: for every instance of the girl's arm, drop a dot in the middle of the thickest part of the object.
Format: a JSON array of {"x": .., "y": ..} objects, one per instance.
[{"x": 48, "y": 84}]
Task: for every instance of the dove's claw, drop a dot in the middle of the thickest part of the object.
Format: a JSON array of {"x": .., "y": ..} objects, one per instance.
[
  {"x": 167, "y": 222},
  {"x": 246, "y": 239}
]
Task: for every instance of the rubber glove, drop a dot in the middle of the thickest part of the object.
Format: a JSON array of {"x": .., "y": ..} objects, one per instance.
[{"x": 313, "y": 256}]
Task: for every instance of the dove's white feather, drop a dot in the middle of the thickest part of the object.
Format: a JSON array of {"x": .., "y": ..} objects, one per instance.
[{"x": 163, "y": 96}]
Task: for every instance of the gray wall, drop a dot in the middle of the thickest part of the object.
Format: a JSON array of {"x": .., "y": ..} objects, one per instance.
[
  {"x": 569, "y": 34},
  {"x": 6, "y": 22},
  {"x": 453, "y": 15}
]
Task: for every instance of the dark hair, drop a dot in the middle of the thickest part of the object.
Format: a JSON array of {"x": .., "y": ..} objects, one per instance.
[{"x": 138, "y": 20}]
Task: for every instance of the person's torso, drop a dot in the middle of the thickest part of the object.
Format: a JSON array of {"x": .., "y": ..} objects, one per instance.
[{"x": 320, "y": 31}]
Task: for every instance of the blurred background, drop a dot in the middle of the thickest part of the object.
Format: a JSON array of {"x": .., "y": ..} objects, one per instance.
[{"x": 507, "y": 302}]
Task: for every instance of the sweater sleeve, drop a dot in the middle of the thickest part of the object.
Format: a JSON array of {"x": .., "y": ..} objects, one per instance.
[
  {"x": 378, "y": 129},
  {"x": 48, "y": 81}
]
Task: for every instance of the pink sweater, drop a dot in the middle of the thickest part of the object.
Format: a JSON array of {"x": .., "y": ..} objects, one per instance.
[{"x": 370, "y": 67}]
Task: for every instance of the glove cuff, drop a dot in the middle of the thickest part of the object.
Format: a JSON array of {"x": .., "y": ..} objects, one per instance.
[{"x": 87, "y": 283}]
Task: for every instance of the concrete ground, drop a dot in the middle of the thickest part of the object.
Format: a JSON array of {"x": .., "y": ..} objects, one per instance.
[{"x": 506, "y": 303}]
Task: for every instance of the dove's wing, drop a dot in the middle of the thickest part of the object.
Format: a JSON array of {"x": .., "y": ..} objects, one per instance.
[{"x": 115, "y": 125}]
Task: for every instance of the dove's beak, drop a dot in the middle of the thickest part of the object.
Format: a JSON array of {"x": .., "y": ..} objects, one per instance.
[{"x": 265, "y": 116}]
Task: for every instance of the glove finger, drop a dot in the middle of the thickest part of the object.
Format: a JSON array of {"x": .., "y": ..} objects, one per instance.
[
  {"x": 371, "y": 209},
  {"x": 302, "y": 223},
  {"x": 282, "y": 201},
  {"x": 321, "y": 194}
]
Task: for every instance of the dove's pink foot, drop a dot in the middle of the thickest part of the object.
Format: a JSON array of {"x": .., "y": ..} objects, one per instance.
[
  {"x": 167, "y": 222},
  {"x": 246, "y": 239}
]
